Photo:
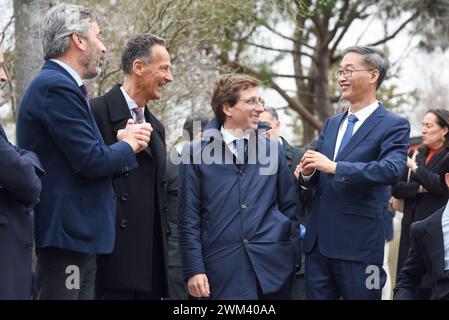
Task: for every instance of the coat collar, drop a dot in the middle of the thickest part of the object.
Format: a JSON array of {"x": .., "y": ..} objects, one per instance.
[{"x": 119, "y": 112}]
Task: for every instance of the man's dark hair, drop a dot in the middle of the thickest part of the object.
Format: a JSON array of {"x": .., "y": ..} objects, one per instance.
[
  {"x": 139, "y": 47},
  {"x": 227, "y": 90}
]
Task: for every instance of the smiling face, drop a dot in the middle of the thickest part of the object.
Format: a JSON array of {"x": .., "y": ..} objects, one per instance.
[
  {"x": 244, "y": 115},
  {"x": 157, "y": 74},
  {"x": 94, "y": 53},
  {"x": 360, "y": 87},
  {"x": 433, "y": 134}
]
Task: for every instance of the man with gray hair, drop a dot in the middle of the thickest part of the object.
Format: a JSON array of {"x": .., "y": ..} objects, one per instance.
[
  {"x": 138, "y": 266},
  {"x": 75, "y": 217},
  {"x": 359, "y": 153}
]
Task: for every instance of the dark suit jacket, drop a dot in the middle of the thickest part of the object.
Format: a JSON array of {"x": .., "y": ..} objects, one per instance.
[
  {"x": 141, "y": 222},
  {"x": 20, "y": 187},
  {"x": 419, "y": 206},
  {"x": 348, "y": 206},
  {"x": 236, "y": 222},
  {"x": 77, "y": 207},
  {"x": 426, "y": 255}
]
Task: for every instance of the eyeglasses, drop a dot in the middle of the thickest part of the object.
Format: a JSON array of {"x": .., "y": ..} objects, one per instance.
[
  {"x": 348, "y": 72},
  {"x": 254, "y": 102}
]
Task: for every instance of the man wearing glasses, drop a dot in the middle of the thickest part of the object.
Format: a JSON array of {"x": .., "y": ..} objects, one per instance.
[
  {"x": 238, "y": 227},
  {"x": 359, "y": 153}
]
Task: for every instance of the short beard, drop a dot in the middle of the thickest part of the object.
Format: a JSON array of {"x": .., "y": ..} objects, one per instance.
[{"x": 90, "y": 71}]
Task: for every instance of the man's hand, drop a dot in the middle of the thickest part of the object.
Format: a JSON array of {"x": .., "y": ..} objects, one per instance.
[
  {"x": 198, "y": 286},
  {"x": 136, "y": 135},
  {"x": 313, "y": 160}
]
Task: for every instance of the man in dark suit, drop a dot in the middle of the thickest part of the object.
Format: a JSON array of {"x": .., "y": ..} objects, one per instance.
[
  {"x": 358, "y": 154},
  {"x": 20, "y": 187},
  {"x": 193, "y": 127},
  {"x": 138, "y": 266},
  {"x": 293, "y": 156},
  {"x": 429, "y": 254},
  {"x": 238, "y": 233},
  {"x": 75, "y": 217}
]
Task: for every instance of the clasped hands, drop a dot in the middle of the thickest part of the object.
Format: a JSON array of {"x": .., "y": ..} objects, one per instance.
[
  {"x": 313, "y": 160},
  {"x": 136, "y": 135}
]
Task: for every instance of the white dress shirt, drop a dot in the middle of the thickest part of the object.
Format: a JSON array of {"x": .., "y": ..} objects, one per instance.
[
  {"x": 229, "y": 138},
  {"x": 445, "y": 226},
  {"x": 361, "y": 115},
  {"x": 70, "y": 70},
  {"x": 131, "y": 104}
]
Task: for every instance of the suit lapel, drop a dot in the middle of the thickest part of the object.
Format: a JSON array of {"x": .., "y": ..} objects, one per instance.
[
  {"x": 119, "y": 112},
  {"x": 368, "y": 125},
  {"x": 332, "y": 131},
  {"x": 433, "y": 241}
]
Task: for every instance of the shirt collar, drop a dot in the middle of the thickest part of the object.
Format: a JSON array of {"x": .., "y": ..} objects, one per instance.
[
  {"x": 228, "y": 137},
  {"x": 365, "y": 112},
  {"x": 130, "y": 102},
  {"x": 70, "y": 70}
]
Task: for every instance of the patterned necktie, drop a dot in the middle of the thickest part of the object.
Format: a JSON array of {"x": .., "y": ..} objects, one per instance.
[
  {"x": 139, "y": 115},
  {"x": 85, "y": 93},
  {"x": 352, "y": 119}
]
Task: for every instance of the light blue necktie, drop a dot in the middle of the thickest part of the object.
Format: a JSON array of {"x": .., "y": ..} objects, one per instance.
[{"x": 352, "y": 119}]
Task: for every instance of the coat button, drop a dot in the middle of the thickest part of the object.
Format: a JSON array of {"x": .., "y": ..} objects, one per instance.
[
  {"x": 164, "y": 183},
  {"x": 29, "y": 211},
  {"x": 241, "y": 173},
  {"x": 245, "y": 241},
  {"x": 124, "y": 196},
  {"x": 166, "y": 209},
  {"x": 123, "y": 223},
  {"x": 125, "y": 169},
  {"x": 243, "y": 206}
]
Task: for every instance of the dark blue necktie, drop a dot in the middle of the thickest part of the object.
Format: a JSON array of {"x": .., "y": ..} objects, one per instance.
[
  {"x": 85, "y": 93},
  {"x": 352, "y": 119},
  {"x": 241, "y": 145}
]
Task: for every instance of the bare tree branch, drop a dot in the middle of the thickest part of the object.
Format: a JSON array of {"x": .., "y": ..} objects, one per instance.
[
  {"x": 281, "y": 50},
  {"x": 394, "y": 34}
]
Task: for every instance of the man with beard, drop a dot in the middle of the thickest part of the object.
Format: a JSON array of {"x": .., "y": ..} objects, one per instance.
[
  {"x": 138, "y": 266},
  {"x": 76, "y": 215}
]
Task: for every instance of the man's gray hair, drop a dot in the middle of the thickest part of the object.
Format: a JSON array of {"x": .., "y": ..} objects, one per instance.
[
  {"x": 139, "y": 47},
  {"x": 273, "y": 113},
  {"x": 60, "y": 23},
  {"x": 373, "y": 58}
]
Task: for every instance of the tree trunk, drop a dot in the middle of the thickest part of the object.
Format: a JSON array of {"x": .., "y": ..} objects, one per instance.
[{"x": 28, "y": 44}]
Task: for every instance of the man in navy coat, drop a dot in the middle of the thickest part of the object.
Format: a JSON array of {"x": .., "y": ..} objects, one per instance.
[
  {"x": 76, "y": 215},
  {"x": 20, "y": 187},
  {"x": 238, "y": 231},
  {"x": 359, "y": 153}
]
